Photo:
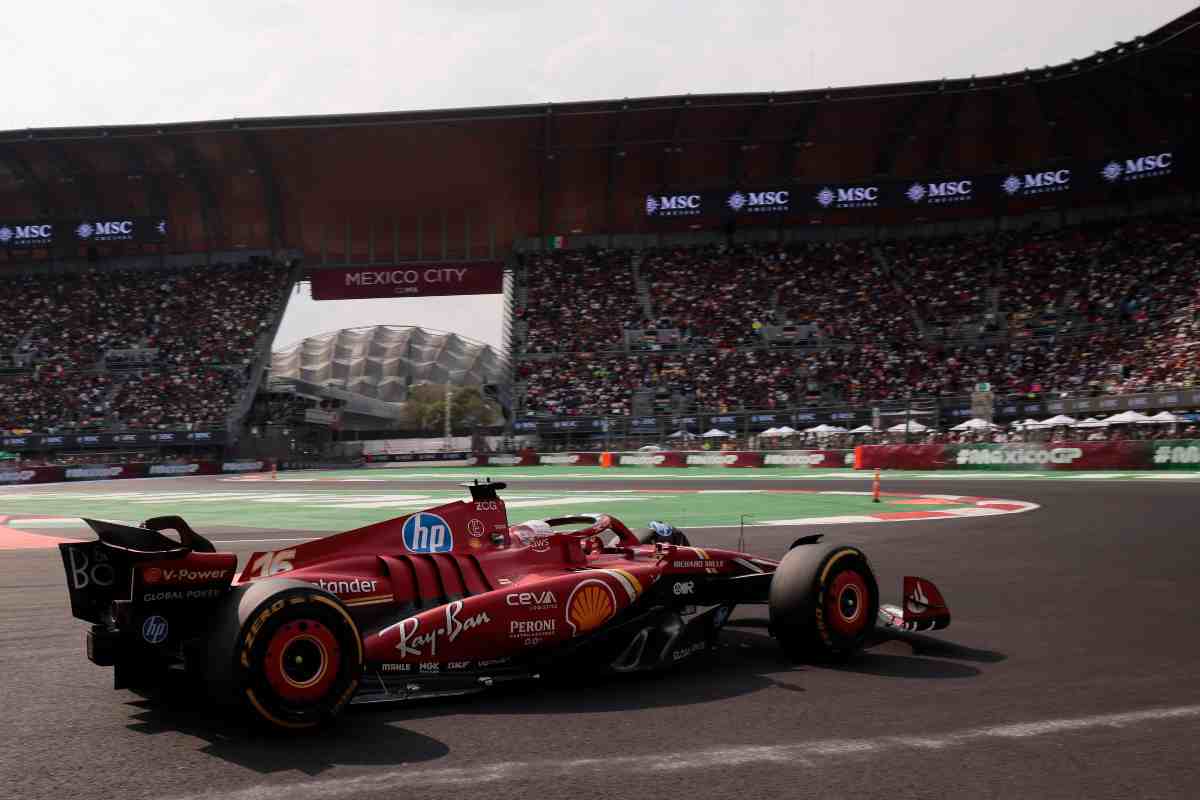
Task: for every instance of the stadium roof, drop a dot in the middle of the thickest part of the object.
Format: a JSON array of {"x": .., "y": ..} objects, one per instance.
[
  {"x": 468, "y": 182},
  {"x": 381, "y": 361}
]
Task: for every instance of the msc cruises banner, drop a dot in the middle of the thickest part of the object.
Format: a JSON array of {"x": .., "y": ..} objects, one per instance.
[
  {"x": 1060, "y": 180},
  {"x": 18, "y": 234}
]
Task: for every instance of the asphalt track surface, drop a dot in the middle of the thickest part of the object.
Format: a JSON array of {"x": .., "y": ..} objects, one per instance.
[{"x": 1072, "y": 669}]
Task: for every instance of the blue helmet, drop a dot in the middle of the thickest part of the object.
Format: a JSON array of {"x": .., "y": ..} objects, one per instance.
[{"x": 662, "y": 530}]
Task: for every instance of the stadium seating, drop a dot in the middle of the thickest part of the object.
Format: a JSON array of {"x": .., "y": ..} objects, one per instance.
[
  {"x": 1105, "y": 308},
  {"x": 192, "y": 333}
]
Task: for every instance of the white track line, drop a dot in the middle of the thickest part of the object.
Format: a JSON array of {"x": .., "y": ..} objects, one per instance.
[{"x": 809, "y": 755}]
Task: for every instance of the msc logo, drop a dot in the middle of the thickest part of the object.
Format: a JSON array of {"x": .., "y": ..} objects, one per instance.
[
  {"x": 25, "y": 234},
  {"x": 427, "y": 533},
  {"x": 112, "y": 229},
  {"x": 759, "y": 202},
  {"x": 1058, "y": 180},
  {"x": 672, "y": 205},
  {"x": 1133, "y": 169},
  {"x": 944, "y": 192},
  {"x": 851, "y": 197}
]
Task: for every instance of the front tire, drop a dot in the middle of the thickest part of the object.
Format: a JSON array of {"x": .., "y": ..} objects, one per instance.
[
  {"x": 823, "y": 602},
  {"x": 289, "y": 654}
]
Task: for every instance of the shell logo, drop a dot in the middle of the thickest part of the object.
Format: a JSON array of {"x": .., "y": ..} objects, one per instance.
[{"x": 590, "y": 605}]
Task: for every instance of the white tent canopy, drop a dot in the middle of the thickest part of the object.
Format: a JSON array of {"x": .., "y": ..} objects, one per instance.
[
  {"x": 913, "y": 427},
  {"x": 863, "y": 429},
  {"x": 715, "y": 433},
  {"x": 770, "y": 433},
  {"x": 823, "y": 428},
  {"x": 1091, "y": 422},
  {"x": 1126, "y": 418},
  {"x": 1163, "y": 417},
  {"x": 1061, "y": 419},
  {"x": 787, "y": 430},
  {"x": 682, "y": 435},
  {"x": 973, "y": 425}
]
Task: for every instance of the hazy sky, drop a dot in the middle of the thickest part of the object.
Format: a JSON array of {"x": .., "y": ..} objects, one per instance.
[{"x": 135, "y": 61}]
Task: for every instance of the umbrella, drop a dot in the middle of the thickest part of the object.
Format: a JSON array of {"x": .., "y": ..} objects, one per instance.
[
  {"x": 1061, "y": 419},
  {"x": 715, "y": 433},
  {"x": 913, "y": 427},
  {"x": 1126, "y": 417},
  {"x": 973, "y": 425}
]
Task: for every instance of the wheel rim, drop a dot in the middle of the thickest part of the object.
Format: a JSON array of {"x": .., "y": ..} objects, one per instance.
[
  {"x": 848, "y": 603},
  {"x": 302, "y": 661}
]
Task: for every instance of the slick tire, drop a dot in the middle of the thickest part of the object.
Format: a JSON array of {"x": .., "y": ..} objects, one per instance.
[
  {"x": 823, "y": 602},
  {"x": 286, "y": 653}
]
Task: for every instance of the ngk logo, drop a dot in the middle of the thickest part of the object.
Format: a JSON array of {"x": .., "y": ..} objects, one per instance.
[
  {"x": 672, "y": 205},
  {"x": 944, "y": 192},
  {"x": 849, "y": 197},
  {"x": 1058, "y": 180},
  {"x": 1132, "y": 169}
]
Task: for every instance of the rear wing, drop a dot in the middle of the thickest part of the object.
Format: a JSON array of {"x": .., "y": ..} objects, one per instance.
[{"x": 131, "y": 564}]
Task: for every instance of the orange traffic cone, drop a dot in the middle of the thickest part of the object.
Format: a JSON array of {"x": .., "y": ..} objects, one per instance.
[{"x": 875, "y": 488}]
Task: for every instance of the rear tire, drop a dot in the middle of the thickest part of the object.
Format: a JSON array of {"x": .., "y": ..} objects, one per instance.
[
  {"x": 286, "y": 653},
  {"x": 823, "y": 602}
]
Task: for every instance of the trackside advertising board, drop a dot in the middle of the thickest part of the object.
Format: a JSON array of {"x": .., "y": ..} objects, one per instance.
[
  {"x": 1027, "y": 456},
  {"x": 107, "y": 472},
  {"x": 430, "y": 279}
]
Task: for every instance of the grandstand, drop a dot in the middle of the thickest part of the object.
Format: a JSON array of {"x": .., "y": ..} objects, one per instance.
[{"x": 746, "y": 259}]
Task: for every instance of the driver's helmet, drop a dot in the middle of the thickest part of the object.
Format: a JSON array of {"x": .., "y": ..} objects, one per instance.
[{"x": 662, "y": 530}]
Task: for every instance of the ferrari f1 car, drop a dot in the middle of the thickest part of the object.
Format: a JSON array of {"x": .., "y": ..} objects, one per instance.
[{"x": 452, "y": 600}]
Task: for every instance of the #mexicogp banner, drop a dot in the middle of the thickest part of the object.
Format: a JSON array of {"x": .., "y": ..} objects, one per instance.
[{"x": 1027, "y": 456}]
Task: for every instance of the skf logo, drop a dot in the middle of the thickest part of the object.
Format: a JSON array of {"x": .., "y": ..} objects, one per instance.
[
  {"x": 1133, "y": 169},
  {"x": 1038, "y": 182},
  {"x": 759, "y": 202},
  {"x": 850, "y": 197},
  {"x": 673, "y": 205},
  {"x": 941, "y": 193}
]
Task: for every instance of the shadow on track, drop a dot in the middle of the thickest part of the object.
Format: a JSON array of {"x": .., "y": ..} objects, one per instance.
[{"x": 356, "y": 740}]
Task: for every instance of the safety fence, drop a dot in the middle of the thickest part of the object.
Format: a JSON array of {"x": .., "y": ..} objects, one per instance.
[
  {"x": 1119, "y": 455},
  {"x": 95, "y": 472},
  {"x": 672, "y": 458}
]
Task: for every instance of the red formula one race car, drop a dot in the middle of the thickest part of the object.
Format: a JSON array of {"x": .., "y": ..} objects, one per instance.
[{"x": 452, "y": 600}]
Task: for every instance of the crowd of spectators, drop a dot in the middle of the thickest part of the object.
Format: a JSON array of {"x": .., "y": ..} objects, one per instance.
[
  {"x": 193, "y": 331},
  {"x": 1112, "y": 308},
  {"x": 577, "y": 300}
]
